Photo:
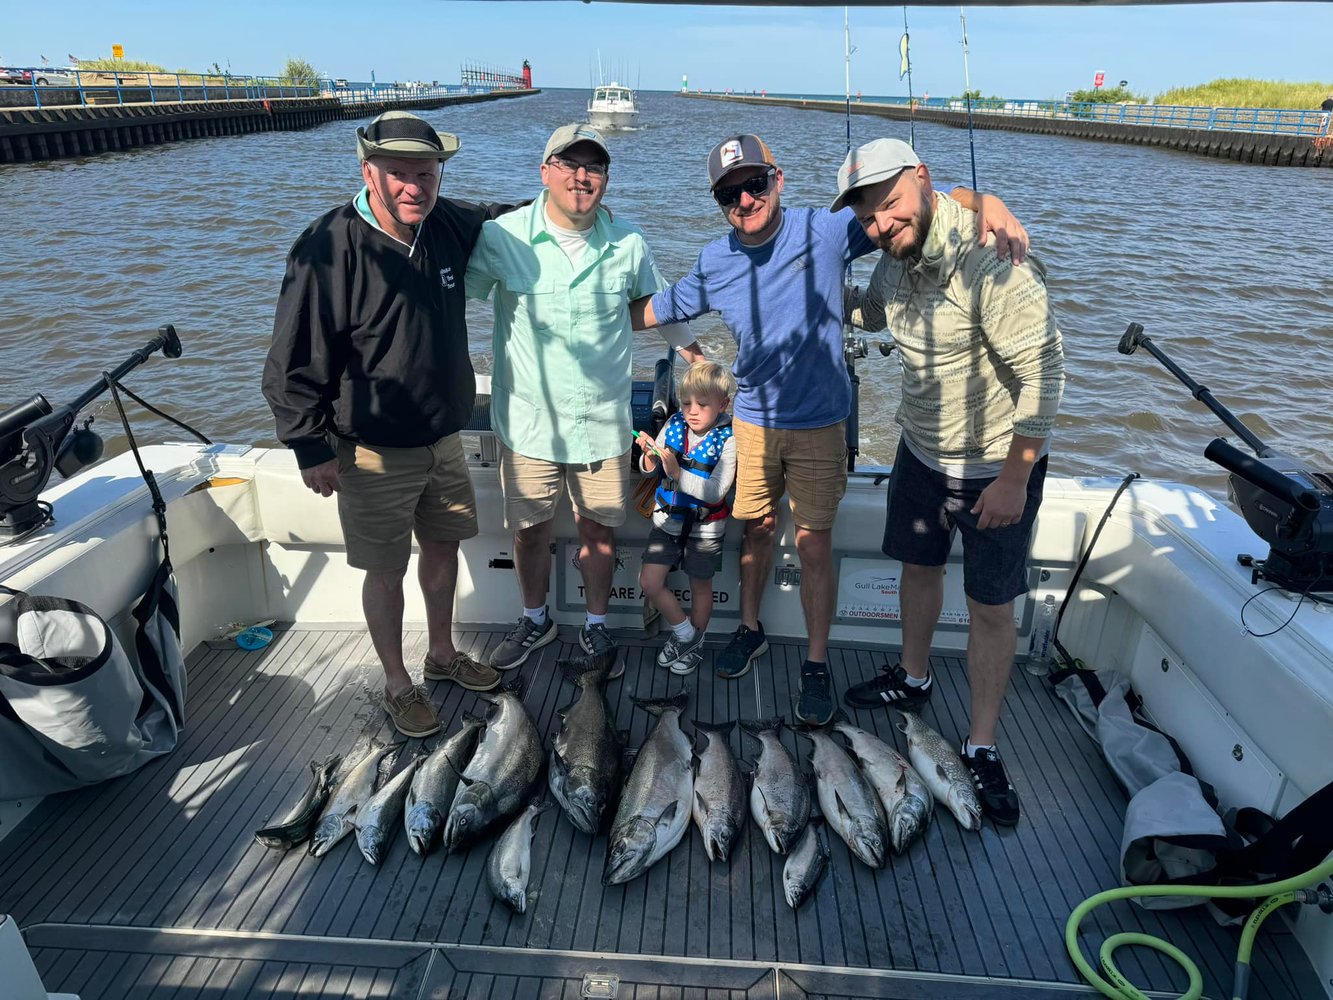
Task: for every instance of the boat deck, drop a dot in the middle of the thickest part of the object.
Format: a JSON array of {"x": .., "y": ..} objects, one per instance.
[{"x": 151, "y": 886}]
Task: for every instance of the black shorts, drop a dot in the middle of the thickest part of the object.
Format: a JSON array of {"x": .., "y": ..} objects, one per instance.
[
  {"x": 697, "y": 557},
  {"x": 926, "y": 507}
]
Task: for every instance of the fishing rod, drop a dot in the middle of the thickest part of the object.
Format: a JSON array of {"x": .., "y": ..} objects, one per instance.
[
  {"x": 967, "y": 93},
  {"x": 907, "y": 68}
]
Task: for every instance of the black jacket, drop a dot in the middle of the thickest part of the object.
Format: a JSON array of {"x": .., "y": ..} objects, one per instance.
[{"x": 369, "y": 340}]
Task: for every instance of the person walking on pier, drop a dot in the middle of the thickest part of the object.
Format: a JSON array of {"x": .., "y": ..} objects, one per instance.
[
  {"x": 983, "y": 373},
  {"x": 562, "y": 274},
  {"x": 369, "y": 380},
  {"x": 777, "y": 280}
]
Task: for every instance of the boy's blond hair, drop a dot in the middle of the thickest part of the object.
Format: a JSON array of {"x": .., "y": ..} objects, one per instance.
[{"x": 706, "y": 378}]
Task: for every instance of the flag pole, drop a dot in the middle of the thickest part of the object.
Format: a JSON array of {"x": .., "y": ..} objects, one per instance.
[{"x": 967, "y": 92}]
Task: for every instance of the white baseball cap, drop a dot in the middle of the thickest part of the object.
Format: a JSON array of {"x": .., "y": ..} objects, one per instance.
[{"x": 869, "y": 164}]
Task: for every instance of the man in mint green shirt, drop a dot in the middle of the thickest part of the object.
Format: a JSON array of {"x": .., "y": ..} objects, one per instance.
[{"x": 563, "y": 274}]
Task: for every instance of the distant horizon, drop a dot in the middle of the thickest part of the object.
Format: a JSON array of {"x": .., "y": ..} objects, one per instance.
[{"x": 1032, "y": 52}]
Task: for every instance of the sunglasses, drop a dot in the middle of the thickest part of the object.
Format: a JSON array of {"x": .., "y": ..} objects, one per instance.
[
  {"x": 595, "y": 169},
  {"x": 730, "y": 194}
]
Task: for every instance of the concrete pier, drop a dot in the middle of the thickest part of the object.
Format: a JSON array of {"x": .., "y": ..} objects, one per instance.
[
  {"x": 1245, "y": 147},
  {"x": 29, "y": 135}
]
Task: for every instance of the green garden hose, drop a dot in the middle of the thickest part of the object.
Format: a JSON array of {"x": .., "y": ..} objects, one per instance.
[{"x": 1117, "y": 987}]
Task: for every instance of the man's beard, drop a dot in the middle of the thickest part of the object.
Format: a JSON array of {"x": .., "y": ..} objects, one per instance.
[{"x": 919, "y": 227}]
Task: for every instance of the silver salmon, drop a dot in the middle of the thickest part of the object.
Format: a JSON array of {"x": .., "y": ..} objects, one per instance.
[
  {"x": 655, "y": 804},
  {"x": 850, "y": 806},
  {"x": 586, "y": 753},
  {"x": 719, "y": 791},
  {"x": 354, "y": 789},
  {"x": 942, "y": 770},
  {"x": 300, "y": 821},
  {"x": 436, "y": 783},
  {"x": 907, "y": 801},
  {"x": 510, "y": 862},
  {"x": 779, "y": 795},
  {"x": 805, "y": 865},
  {"x": 377, "y": 820}
]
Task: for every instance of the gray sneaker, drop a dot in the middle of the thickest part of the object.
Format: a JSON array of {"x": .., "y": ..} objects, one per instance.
[
  {"x": 597, "y": 641},
  {"x": 688, "y": 654},
  {"x": 522, "y": 639}
]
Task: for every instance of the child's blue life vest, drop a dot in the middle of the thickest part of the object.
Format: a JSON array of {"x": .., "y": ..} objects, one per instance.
[{"x": 701, "y": 460}]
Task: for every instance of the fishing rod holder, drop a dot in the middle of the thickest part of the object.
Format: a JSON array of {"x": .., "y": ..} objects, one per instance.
[
  {"x": 1285, "y": 503},
  {"x": 37, "y": 439}
]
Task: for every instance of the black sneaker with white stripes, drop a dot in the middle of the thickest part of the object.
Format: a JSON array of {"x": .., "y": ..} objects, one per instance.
[
  {"x": 889, "y": 690},
  {"x": 998, "y": 799}
]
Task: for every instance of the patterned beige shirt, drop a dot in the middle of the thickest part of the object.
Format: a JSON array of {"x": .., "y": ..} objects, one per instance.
[{"x": 980, "y": 352}]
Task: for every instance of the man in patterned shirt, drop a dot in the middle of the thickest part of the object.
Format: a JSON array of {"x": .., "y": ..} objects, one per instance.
[{"x": 983, "y": 372}]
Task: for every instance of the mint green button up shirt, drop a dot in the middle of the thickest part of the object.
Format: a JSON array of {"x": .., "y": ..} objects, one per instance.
[{"x": 560, "y": 386}]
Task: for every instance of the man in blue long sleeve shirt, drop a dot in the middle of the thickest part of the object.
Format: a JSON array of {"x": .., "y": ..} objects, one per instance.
[{"x": 777, "y": 280}]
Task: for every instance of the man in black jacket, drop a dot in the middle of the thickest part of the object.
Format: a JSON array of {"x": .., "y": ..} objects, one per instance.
[{"x": 369, "y": 380}]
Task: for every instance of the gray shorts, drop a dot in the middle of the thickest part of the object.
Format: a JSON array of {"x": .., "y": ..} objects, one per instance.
[
  {"x": 697, "y": 557},
  {"x": 926, "y": 507}
]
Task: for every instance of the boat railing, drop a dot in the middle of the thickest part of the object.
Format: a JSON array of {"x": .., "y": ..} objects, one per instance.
[{"x": 81, "y": 88}]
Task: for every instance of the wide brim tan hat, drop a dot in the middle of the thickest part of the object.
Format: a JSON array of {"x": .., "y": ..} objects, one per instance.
[{"x": 403, "y": 135}]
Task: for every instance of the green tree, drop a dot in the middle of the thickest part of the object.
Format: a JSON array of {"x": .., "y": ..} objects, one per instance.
[
  {"x": 301, "y": 73},
  {"x": 1105, "y": 95}
]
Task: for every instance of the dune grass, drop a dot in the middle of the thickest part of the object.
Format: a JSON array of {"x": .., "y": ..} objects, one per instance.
[
  {"x": 1243, "y": 93},
  {"x": 120, "y": 66}
]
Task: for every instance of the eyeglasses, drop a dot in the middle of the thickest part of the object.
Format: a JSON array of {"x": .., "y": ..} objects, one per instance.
[
  {"x": 596, "y": 169},
  {"x": 754, "y": 187}
]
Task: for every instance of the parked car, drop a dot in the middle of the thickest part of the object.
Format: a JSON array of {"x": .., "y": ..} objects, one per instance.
[
  {"x": 8, "y": 75},
  {"x": 51, "y": 77}
]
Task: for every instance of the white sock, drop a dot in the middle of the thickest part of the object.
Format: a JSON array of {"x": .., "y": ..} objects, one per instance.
[
  {"x": 538, "y": 615},
  {"x": 592, "y": 619},
  {"x": 972, "y": 748},
  {"x": 917, "y": 682},
  {"x": 684, "y": 631}
]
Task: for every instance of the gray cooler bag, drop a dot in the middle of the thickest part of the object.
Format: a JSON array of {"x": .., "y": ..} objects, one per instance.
[{"x": 75, "y": 707}]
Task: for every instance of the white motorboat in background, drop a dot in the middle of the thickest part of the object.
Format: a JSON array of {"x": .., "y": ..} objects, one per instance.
[{"x": 613, "y": 106}]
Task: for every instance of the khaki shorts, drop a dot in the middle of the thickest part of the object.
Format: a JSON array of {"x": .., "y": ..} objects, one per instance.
[
  {"x": 810, "y": 466},
  {"x": 532, "y": 488},
  {"x": 385, "y": 494}
]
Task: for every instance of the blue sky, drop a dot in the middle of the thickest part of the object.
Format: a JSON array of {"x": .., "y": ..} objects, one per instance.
[{"x": 1015, "y": 52}]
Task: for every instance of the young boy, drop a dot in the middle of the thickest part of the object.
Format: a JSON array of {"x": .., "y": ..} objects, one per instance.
[{"x": 698, "y": 459}]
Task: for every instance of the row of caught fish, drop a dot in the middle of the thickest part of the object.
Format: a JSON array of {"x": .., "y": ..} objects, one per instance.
[{"x": 472, "y": 782}]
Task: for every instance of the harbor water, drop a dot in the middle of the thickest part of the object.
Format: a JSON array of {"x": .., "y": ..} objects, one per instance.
[{"x": 1229, "y": 267}]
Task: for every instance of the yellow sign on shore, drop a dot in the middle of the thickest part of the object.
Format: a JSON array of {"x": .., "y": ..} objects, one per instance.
[{"x": 118, "y": 51}]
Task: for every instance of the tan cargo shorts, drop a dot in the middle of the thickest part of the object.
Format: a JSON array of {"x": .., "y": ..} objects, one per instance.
[
  {"x": 532, "y": 486},
  {"x": 810, "y": 466},
  {"x": 385, "y": 494}
]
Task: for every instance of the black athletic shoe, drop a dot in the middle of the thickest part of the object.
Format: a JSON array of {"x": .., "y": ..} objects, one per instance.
[
  {"x": 816, "y": 705},
  {"x": 746, "y": 646},
  {"x": 890, "y": 690},
  {"x": 998, "y": 799}
]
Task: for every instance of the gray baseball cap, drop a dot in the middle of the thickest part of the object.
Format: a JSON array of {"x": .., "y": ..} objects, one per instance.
[
  {"x": 571, "y": 135},
  {"x": 404, "y": 135},
  {"x": 871, "y": 163}
]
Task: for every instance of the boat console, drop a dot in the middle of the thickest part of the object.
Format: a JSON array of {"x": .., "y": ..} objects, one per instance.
[{"x": 1285, "y": 503}]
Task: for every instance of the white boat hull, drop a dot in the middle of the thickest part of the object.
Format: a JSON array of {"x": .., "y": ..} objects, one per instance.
[{"x": 613, "y": 119}]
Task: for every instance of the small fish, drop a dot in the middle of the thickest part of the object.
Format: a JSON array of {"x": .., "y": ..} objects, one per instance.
[
  {"x": 436, "y": 783},
  {"x": 907, "y": 801},
  {"x": 779, "y": 795},
  {"x": 355, "y": 788},
  {"x": 942, "y": 770},
  {"x": 654, "y": 807},
  {"x": 510, "y": 862},
  {"x": 300, "y": 821},
  {"x": 377, "y": 820},
  {"x": 850, "y": 806},
  {"x": 805, "y": 865},
  {"x": 719, "y": 791}
]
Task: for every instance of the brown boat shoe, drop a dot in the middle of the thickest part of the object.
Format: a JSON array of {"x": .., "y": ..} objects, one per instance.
[
  {"x": 412, "y": 712},
  {"x": 464, "y": 671}
]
